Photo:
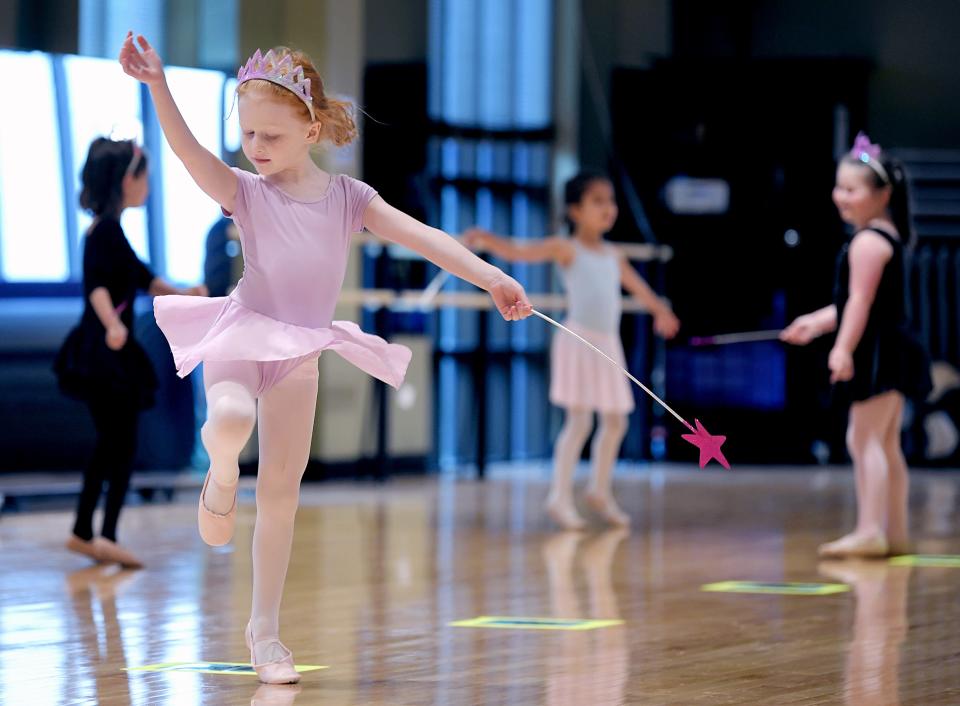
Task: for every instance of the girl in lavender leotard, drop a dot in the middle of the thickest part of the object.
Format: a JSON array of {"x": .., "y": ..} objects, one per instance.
[{"x": 260, "y": 345}]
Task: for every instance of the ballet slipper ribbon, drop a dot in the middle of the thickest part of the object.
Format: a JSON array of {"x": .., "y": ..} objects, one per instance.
[{"x": 708, "y": 444}]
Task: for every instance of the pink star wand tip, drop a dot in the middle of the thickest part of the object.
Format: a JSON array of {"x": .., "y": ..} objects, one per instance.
[{"x": 708, "y": 444}]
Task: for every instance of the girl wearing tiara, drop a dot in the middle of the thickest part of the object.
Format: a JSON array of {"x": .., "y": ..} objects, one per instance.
[
  {"x": 581, "y": 382},
  {"x": 101, "y": 362},
  {"x": 260, "y": 345},
  {"x": 875, "y": 361}
]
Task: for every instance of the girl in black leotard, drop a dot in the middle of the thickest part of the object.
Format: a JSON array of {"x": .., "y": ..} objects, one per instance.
[
  {"x": 875, "y": 362},
  {"x": 100, "y": 362}
]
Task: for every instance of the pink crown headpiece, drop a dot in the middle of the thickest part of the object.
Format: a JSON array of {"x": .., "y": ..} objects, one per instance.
[
  {"x": 282, "y": 72},
  {"x": 868, "y": 153}
]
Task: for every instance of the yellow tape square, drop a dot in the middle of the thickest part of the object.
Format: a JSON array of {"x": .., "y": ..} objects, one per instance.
[
  {"x": 946, "y": 561},
  {"x": 508, "y": 623},
  {"x": 787, "y": 588}
]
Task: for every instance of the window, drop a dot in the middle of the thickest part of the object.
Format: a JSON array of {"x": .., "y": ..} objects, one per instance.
[{"x": 32, "y": 221}]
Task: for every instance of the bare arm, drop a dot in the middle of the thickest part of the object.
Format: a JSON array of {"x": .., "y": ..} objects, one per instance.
[
  {"x": 869, "y": 254},
  {"x": 665, "y": 321},
  {"x": 214, "y": 177},
  {"x": 552, "y": 249},
  {"x": 445, "y": 252},
  {"x": 805, "y": 328}
]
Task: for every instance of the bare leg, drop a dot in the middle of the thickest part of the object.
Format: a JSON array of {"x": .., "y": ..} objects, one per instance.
[
  {"x": 566, "y": 454},
  {"x": 898, "y": 485},
  {"x": 869, "y": 422}
]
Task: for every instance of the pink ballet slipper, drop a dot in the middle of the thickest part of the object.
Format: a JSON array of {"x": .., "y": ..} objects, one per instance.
[
  {"x": 216, "y": 529},
  {"x": 279, "y": 671}
]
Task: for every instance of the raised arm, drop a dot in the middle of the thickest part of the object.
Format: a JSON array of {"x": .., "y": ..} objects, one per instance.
[
  {"x": 396, "y": 226},
  {"x": 552, "y": 249},
  {"x": 214, "y": 177},
  {"x": 665, "y": 321}
]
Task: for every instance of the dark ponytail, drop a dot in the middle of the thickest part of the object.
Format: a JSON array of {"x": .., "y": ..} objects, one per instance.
[
  {"x": 102, "y": 176},
  {"x": 900, "y": 200},
  {"x": 576, "y": 187}
]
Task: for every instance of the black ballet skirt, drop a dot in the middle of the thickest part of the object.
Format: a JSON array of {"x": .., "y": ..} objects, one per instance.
[
  {"x": 889, "y": 355},
  {"x": 86, "y": 368}
]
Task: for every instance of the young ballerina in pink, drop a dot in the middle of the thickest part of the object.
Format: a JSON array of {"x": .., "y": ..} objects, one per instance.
[
  {"x": 875, "y": 361},
  {"x": 581, "y": 382},
  {"x": 260, "y": 345}
]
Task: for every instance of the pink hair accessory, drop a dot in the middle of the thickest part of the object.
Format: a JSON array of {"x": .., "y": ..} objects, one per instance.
[
  {"x": 869, "y": 153},
  {"x": 282, "y": 72}
]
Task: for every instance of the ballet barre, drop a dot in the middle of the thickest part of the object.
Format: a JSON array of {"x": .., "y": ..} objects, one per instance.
[
  {"x": 413, "y": 300},
  {"x": 636, "y": 252}
]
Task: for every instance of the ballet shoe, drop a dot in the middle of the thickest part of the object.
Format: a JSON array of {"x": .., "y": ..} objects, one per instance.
[
  {"x": 852, "y": 546},
  {"x": 564, "y": 515},
  {"x": 84, "y": 547},
  {"x": 112, "y": 553},
  {"x": 607, "y": 508},
  {"x": 278, "y": 671},
  {"x": 216, "y": 529}
]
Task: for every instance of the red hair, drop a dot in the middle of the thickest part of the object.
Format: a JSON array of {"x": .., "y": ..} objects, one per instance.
[{"x": 335, "y": 116}]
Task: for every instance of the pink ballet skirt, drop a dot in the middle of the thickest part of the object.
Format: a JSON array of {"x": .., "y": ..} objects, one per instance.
[
  {"x": 581, "y": 379},
  {"x": 281, "y": 312},
  {"x": 222, "y": 329}
]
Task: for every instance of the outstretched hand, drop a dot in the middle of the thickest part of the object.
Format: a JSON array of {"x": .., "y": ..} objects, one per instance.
[
  {"x": 143, "y": 64},
  {"x": 509, "y": 297}
]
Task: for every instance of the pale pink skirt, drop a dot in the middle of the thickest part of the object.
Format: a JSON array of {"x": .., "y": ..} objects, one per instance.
[
  {"x": 221, "y": 329},
  {"x": 582, "y": 379}
]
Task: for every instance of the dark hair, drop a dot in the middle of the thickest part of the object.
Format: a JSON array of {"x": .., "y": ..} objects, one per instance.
[
  {"x": 576, "y": 187},
  {"x": 899, "y": 193},
  {"x": 102, "y": 175}
]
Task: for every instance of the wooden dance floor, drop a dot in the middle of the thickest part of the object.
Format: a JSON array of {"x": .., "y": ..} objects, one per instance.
[{"x": 382, "y": 574}]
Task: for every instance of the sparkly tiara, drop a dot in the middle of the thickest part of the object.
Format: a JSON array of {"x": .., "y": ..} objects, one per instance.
[
  {"x": 282, "y": 72},
  {"x": 868, "y": 153}
]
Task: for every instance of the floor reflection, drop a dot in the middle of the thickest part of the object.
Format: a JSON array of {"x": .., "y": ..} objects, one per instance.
[
  {"x": 92, "y": 592},
  {"x": 590, "y": 667},
  {"x": 275, "y": 695},
  {"x": 872, "y": 673}
]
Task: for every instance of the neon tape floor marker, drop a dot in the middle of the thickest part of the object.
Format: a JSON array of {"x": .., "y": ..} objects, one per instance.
[
  {"x": 506, "y": 623},
  {"x": 787, "y": 588},
  {"x": 944, "y": 561}
]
